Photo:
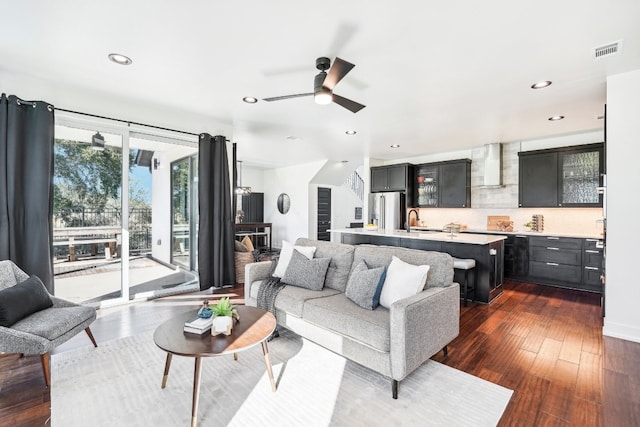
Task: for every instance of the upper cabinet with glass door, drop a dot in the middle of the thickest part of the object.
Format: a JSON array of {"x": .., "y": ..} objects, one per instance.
[
  {"x": 561, "y": 177},
  {"x": 580, "y": 171}
]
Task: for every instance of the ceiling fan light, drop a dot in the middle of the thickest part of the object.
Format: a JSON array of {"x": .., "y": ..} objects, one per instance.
[{"x": 323, "y": 97}]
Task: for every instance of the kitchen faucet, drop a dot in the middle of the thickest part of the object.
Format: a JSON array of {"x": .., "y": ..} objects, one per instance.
[{"x": 409, "y": 219}]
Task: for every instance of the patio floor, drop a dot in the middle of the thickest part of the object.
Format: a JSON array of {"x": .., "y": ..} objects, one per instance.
[{"x": 96, "y": 279}]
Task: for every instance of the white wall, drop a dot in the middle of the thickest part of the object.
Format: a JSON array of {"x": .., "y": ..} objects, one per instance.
[
  {"x": 623, "y": 153},
  {"x": 343, "y": 207},
  {"x": 253, "y": 177},
  {"x": 295, "y": 181}
]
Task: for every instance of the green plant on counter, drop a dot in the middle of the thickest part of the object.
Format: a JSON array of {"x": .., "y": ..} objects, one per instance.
[
  {"x": 225, "y": 308},
  {"x": 528, "y": 224}
]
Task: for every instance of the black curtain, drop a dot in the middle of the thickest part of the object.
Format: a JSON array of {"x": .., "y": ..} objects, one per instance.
[
  {"x": 26, "y": 186},
  {"x": 216, "y": 222}
]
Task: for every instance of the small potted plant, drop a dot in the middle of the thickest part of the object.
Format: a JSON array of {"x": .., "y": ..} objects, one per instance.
[
  {"x": 224, "y": 313},
  {"x": 528, "y": 225}
]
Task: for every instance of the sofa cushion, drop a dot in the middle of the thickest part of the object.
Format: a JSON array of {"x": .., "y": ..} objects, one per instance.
[
  {"x": 341, "y": 259},
  {"x": 402, "y": 281},
  {"x": 306, "y": 273},
  {"x": 365, "y": 284},
  {"x": 22, "y": 300},
  {"x": 339, "y": 314},
  {"x": 285, "y": 256},
  {"x": 441, "y": 264},
  {"x": 291, "y": 299}
]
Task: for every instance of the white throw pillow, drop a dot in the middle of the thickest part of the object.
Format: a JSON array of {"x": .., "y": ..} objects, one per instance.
[
  {"x": 403, "y": 280},
  {"x": 285, "y": 256}
]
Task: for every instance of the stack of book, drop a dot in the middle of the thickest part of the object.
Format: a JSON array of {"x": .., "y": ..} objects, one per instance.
[{"x": 199, "y": 325}]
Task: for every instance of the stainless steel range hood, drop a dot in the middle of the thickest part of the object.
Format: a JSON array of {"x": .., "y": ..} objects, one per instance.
[{"x": 492, "y": 165}]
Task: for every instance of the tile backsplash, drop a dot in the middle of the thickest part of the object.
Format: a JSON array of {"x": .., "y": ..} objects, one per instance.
[{"x": 556, "y": 220}]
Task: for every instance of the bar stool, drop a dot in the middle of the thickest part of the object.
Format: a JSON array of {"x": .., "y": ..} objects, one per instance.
[{"x": 467, "y": 265}]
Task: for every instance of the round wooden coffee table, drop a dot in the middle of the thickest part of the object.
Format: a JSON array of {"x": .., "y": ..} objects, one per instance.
[{"x": 254, "y": 327}]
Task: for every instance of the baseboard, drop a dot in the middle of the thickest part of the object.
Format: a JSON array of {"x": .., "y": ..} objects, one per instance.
[{"x": 619, "y": 330}]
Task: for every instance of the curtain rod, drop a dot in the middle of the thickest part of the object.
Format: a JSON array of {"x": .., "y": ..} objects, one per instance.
[{"x": 127, "y": 121}]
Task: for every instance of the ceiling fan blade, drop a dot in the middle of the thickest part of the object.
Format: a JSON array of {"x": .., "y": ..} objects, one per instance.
[
  {"x": 350, "y": 105},
  {"x": 280, "y": 98},
  {"x": 338, "y": 70}
]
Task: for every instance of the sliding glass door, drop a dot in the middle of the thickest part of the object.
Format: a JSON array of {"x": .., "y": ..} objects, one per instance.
[
  {"x": 113, "y": 212},
  {"x": 184, "y": 212},
  {"x": 87, "y": 214}
]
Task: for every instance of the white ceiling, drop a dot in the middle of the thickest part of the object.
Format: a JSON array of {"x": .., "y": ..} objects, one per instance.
[{"x": 435, "y": 76}]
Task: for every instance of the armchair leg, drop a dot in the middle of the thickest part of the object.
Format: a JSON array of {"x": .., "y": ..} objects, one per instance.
[
  {"x": 44, "y": 358},
  {"x": 88, "y": 331},
  {"x": 445, "y": 351},
  {"x": 394, "y": 388}
]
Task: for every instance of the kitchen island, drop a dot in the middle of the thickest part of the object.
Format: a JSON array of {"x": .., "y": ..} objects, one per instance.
[{"x": 487, "y": 250}]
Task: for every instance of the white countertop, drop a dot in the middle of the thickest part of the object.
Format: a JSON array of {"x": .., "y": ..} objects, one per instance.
[
  {"x": 466, "y": 238},
  {"x": 518, "y": 232}
]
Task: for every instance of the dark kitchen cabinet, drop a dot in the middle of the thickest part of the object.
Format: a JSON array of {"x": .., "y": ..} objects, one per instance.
[
  {"x": 443, "y": 184},
  {"x": 391, "y": 178},
  {"x": 592, "y": 261},
  {"x": 561, "y": 177},
  {"x": 538, "y": 185},
  {"x": 556, "y": 260},
  {"x": 516, "y": 257}
]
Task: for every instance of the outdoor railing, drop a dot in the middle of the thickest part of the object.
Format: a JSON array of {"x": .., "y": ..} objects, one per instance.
[{"x": 139, "y": 224}]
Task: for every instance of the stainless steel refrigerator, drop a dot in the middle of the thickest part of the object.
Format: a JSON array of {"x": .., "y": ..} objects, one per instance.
[{"x": 389, "y": 210}]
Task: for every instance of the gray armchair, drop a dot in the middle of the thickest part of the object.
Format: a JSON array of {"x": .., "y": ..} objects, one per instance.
[{"x": 42, "y": 331}]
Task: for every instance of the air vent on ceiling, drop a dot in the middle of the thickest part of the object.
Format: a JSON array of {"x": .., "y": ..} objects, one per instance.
[{"x": 608, "y": 49}]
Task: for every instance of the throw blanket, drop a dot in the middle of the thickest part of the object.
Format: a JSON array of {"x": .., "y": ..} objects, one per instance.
[{"x": 268, "y": 292}]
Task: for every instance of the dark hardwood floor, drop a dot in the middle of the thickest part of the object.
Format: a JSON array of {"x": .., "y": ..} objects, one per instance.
[{"x": 544, "y": 343}]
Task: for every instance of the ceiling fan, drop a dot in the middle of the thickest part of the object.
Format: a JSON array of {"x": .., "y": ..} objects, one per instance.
[{"x": 324, "y": 83}]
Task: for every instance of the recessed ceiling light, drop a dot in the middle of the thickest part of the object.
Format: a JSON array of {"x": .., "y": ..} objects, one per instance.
[
  {"x": 395, "y": 145},
  {"x": 120, "y": 59},
  {"x": 351, "y": 132},
  {"x": 555, "y": 118},
  {"x": 344, "y": 161},
  {"x": 541, "y": 85},
  {"x": 250, "y": 99},
  {"x": 293, "y": 138}
]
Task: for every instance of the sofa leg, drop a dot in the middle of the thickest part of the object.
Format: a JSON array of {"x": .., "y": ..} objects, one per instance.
[
  {"x": 445, "y": 351},
  {"x": 93, "y": 340},
  {"x": 44, "y": 358},
  {"x": 394, "y": 388}
]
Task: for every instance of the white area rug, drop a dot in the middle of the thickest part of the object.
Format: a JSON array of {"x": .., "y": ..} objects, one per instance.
[{"x": 118, "y": 384}]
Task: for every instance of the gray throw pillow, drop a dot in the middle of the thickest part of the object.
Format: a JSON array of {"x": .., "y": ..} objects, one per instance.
[
  {"x": 22, "y": 300},
  {"x": 365, "y": 285},
  {"x": 306, "y": 273}
]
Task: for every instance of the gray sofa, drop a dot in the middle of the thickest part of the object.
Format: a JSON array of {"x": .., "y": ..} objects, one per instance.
[{"x": 392, "y": 342}]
